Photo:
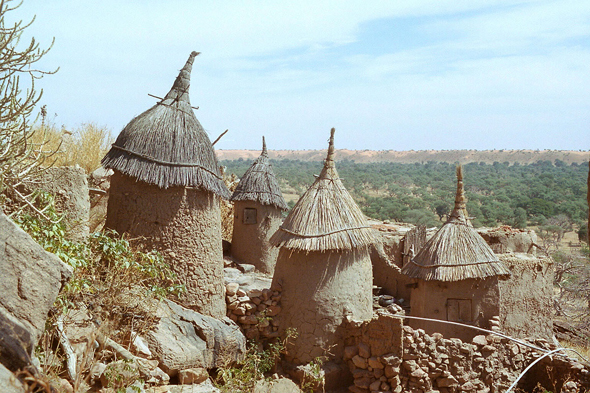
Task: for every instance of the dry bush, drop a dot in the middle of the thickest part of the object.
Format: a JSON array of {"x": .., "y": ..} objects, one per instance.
[
  {"x": 572, "y": 279},
  {"x": 118, "y": 285},
  {"x": 84, "y": 146}
]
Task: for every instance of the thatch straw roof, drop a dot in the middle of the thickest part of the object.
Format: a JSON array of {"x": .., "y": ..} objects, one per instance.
[
  {"x": 259, "y": 184},
  {"x": 167, "y": 146},
  {"x": 325, "y": 217},
  {"x": 456, "y": 251}
]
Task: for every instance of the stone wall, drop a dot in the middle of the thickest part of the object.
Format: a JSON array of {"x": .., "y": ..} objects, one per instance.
[
  {"x": 256, "y": 311},
  {"x": 433, "y": 363}
]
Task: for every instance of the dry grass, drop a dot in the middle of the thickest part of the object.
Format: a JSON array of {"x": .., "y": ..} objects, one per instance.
[
  {"x": 85, "y": 145},
  {"x": 583, "y": 350}
]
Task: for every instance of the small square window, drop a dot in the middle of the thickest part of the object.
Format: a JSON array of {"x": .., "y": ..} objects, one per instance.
[{"x": 250, "y": 216}]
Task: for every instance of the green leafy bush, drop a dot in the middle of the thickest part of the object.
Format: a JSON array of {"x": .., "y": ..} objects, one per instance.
[{"x": 257, "y": 363}]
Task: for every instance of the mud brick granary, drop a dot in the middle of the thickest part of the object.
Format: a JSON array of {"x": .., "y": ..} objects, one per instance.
[
  {"x": 166, "y": 189},
  {"x": 258, "y": 207},
  {"x": 456, "y": 276},
  {"x": 323, "y": 267}
]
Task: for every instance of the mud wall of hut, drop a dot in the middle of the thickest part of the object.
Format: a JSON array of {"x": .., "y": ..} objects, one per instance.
[
  {"x": 526, "y": 308},
  {"x": 250, "y": 239},
  {"x": 184, "y": 225},
  {"x": 472, "y": 301},
  {"x": 392, "y": 282},
  {"x": 336, "y": 285}
]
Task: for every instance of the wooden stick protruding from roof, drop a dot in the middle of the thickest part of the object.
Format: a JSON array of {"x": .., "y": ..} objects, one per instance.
[{"x": 219, "y": 137}]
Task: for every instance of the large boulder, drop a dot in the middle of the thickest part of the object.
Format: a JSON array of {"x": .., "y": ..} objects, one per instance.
[
  {"x": 185, "y": 339},
  {"x": 505, "y": 239},
  {"x": 69, "y": 185},
  {"x": 30, "y": 280},
  {"x": 282, "y": 385},
  {"x": 99, "y": 183}
]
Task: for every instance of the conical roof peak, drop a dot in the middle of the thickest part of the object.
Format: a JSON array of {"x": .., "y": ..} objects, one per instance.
[
  {"x": 264, "y": 151},
  {"x": 325, "y": 218},
  {"x": 459, "y": 213},
  {"x": 180, "y": 88},
  {"x": 330, "y": 156},
  {"x": 456, "y": 251},
  {"x": 259, "y": 183},
  {"x": 166, "y": 145}
]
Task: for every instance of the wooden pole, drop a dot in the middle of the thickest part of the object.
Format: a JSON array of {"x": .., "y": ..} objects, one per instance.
[{"x": 219, "y": 137}]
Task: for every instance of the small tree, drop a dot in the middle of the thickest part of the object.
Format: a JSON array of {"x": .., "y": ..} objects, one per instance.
[
  {"x": 20, "y": 159},
  {"x": 442, "y": 209}
]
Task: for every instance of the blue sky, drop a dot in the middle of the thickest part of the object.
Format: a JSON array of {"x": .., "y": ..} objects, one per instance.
[{"x": 395, "y": 75}]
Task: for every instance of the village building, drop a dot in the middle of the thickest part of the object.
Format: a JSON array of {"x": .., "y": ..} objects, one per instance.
[
  {"x": 456, "y": 276},
  {"x": 258, "y": 207},
  {"x": 165, "y": 191},
  {"x": 323, "y": 267}
]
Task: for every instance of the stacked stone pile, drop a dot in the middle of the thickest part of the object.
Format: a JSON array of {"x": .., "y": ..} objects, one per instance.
[
  {"x": 436, "y": 364},
  {"x": 373, "y": 373},
  {"x": 256, "y": 311}
]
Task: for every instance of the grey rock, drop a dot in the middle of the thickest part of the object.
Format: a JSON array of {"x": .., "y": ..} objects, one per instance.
[
  {"x": 96, "y": 371},
  {"x": 70, "y": 187},
  {"x": 30, "y": 280},
  {"x": 186, "y": 339},
  {"x": 205, "y": 387},
  {"x": 282, "y": 385},
  {"x": 192, "y": 376},
  {"x": 230, "y": 274},
  {"x": 120, "y": 374},
  {"x": 9, "y": 383},
  {"x": 247, "y": 268},
  {"x": 101, "y": 173}
]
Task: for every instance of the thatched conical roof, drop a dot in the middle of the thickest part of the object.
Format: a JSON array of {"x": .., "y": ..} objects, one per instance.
[
  {"x": 259, "y": 184},
  {"x": 456, "y": 251},
  {"x": 167, "y": 146},
  {"x": 325, "y": 217}
]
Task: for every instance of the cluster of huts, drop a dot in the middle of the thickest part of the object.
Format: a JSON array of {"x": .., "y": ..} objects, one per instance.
[{"x": 166, "y": 190}]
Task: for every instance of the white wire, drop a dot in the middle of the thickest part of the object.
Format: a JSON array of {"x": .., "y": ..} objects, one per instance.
[{"x": 531, "y": 365}]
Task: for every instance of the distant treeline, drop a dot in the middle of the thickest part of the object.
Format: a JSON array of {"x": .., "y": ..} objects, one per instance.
[{"x": 543, "y": 193}]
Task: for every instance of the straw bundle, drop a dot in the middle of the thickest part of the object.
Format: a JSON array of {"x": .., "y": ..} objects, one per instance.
[
  {"x": 259, "y": 184},
  {"x": 167, "y": 146},
  {"x": 456, "y": 252},
  {"x": 325, "y": 217}
]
